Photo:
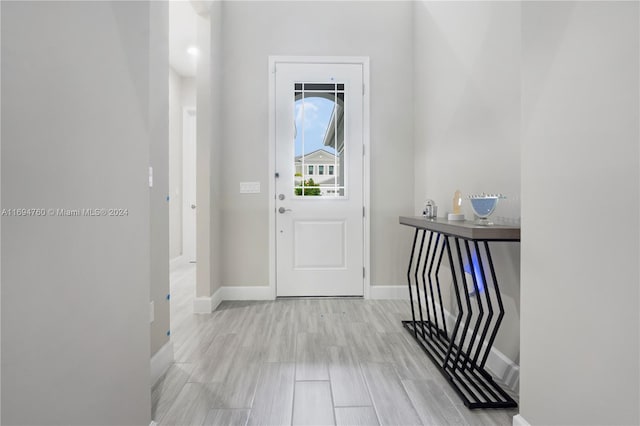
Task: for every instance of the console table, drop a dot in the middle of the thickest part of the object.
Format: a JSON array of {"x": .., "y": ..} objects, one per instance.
[{"x": 461, "y": 345}]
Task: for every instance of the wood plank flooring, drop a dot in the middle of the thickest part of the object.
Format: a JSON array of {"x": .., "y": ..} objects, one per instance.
[{"x": 302, "y": 362}]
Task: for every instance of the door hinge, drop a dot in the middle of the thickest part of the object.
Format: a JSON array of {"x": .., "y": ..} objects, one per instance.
[
  {"x": 363, "y": 89},
  {"x": 363, "y": 274},
  {"x": 362, "y": 211},
  {"x": 363, "y": 150}
]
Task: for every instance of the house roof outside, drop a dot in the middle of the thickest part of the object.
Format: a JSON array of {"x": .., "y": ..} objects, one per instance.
[{"x": 319, "y": 156}]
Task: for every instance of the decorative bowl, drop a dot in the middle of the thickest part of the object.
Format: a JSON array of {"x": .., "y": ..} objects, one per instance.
[{"x": 483, "y": 205}]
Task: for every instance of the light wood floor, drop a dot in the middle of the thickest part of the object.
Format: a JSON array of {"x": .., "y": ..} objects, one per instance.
[{"x": 302, "y": 362}]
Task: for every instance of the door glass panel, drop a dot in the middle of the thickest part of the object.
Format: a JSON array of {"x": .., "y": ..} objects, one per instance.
[{"x": 319, "y": 146}]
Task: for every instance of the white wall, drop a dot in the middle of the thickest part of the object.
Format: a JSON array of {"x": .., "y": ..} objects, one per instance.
[
  {"x": 466, "y": 85},
  {"x": 203, "y": 160},
  {"x": 0, "y": 224},
  {"x": 75, "y": 290},
  {"x": 207, "y": 91},
  {"x": 254, "y": 30},
  {"x": 175, "y": 164},
  {"x": 159, "y": 160},
  {"x": 580, "y": 209},
  {"x": 216, "y": 160}
]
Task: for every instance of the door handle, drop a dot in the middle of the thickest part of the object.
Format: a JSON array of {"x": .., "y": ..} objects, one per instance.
[
  {"x": 283, "y": 210},
  {"x": 193, "y": 206}
]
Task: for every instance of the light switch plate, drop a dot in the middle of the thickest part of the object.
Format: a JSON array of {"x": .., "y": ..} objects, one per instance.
[{"x": 249, "y": 187}]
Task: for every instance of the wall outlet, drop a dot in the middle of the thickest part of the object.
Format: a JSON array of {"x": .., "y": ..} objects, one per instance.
[
  {"x": 152, "y": 311},
  {"x": 249, "y": 187}
]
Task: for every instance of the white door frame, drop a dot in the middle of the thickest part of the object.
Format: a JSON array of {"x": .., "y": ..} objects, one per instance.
[{"x": 361, "y": 60}]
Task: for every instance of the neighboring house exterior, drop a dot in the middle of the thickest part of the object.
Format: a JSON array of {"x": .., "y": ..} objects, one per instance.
[{"x": 321, "y": 166}]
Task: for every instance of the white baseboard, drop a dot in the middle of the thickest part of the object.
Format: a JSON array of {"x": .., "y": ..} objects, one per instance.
[
  {"x": 504, "y": 369},
  {"x": 216, "y": 299},
  {"x": 202, "y": 305},
  {"x": 518, "y": 420},
  {"x": 206, "y": 305},
  {"x": 248, "y": 293},
  {"x": 393, "y": 292},
  {"x": 161, "y": 361},
  {"x": 209, "y": 304},
  {"x": 389, "y": 292}
]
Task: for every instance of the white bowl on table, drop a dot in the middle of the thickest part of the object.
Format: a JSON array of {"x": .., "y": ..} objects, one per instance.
[{"x": 483, "y": 205}]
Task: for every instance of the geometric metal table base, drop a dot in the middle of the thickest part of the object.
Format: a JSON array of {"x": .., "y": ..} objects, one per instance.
[
  {"x": 474, "y": 385},
  {"x": 459, "y": 349}
]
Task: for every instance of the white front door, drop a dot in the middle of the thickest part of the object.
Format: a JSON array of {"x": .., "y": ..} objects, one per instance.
[{"x": 319, "y": 179}]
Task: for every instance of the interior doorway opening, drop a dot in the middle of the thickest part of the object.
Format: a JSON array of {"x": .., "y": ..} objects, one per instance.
[{"x": 189, "y": 206}]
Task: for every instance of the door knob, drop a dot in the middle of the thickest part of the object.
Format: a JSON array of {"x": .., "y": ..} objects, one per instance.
[
  {"x": 283, "y": 210},
  {"x": 193, "y": 206}
]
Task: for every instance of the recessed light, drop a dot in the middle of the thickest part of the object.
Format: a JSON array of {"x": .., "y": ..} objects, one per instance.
[{"x": 193, "y": 51}]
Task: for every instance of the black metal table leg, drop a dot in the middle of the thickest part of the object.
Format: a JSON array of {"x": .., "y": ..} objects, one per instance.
[
  {"x": 413, "y": 313},
  {"x": 462, "y": 353}
]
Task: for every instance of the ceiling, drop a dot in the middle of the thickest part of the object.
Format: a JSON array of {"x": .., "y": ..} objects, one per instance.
[{"x": 183, "y": 33}]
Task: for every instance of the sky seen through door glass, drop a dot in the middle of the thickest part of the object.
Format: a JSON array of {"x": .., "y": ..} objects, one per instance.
[{"x": 317, "y": 114}]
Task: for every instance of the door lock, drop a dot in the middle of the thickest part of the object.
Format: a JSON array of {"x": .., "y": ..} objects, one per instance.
[{"x": 281, "y": 197}]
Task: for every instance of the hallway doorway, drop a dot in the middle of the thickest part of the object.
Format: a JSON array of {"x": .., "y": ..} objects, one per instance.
[{"x": 189, "y": 185}]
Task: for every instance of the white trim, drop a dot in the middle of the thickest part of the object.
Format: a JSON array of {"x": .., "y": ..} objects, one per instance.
[
  {"x": 503, "y": 368},
  {"x": 206, "y": 305},
  {"x": 153, "y": 423},
  {"x": 160, "y": 362},
  {"x": 389, "y": 292},
  {"x": 366, "y": 175},
  {"x": 216, "y": 299},
  {"x": 248, "y": 293},
  {"x": 518, "y": 420},
  {"x": 366, "y": 123},
  {"x": 202, "y": 305},
  {"x": 272, "y": 172}
]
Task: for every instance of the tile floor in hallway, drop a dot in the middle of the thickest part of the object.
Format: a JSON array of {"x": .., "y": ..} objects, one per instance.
[{"x": 302, "y": 362}]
